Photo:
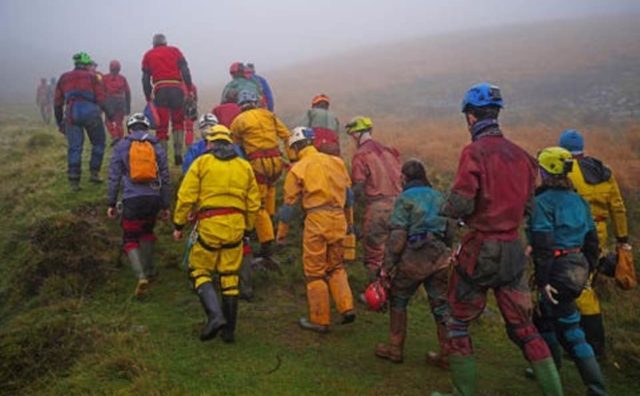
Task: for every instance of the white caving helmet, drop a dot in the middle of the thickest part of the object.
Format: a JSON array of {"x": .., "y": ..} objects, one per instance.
[
  {"x": 300, "y": 133},
  {"x": 207, "y": 120}
]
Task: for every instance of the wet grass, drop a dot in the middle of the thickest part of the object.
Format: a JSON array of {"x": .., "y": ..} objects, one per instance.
[{"x": 55, "y": 340}]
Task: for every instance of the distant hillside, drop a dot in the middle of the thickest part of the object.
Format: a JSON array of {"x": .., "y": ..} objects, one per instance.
[{"x": 590, "y": 68}]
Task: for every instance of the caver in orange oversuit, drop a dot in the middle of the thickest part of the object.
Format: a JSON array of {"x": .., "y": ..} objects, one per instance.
[{"x": 321, "y": 182}]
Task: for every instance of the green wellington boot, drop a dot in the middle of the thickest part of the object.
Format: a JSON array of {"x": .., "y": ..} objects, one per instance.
[
  {"x": 547, "y": 375},
  {"x": 463, "y": 376}
]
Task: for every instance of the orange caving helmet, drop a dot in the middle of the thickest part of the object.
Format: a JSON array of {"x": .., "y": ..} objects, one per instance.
[
  {"x": 319, "y": 99},
  {"x": 376, "y": 296}
]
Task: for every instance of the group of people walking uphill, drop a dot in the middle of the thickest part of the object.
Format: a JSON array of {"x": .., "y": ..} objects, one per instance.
[{"x": 227, "y": 196}]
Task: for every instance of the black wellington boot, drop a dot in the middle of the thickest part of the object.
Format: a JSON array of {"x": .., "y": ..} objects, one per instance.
[
  {"x": 230, "y": 309},
  {"x": 215, "y": 317},
  {"x": 591, "y": 374}
]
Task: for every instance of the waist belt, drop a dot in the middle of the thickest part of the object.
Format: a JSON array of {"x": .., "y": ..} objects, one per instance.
[
  {"x": 167, "y": 82},
  {"x": 223, "y": 246},
  {"x": 270, "y": 153},
  {"x": 424, "y": 236},
  {"x": 564, "y": 252},
  {"x": 324, "y": 207},
  {"x": 599, "y": 219},
  {"x": 206, "y": 213}
]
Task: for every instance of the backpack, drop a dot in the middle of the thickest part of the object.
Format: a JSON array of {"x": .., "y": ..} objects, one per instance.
[{"x": 143, "y": 167}]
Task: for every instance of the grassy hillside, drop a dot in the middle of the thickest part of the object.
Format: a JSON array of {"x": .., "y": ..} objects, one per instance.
[{"x": 69, "y": 324}]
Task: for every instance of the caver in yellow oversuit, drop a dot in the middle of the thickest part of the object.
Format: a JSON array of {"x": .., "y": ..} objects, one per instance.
[
  {"x": 597, "y": 185},
  {"x": 321, "y": 182},
  {"x": 222, "y": 188},
  {"x": 258, "y": 131}
]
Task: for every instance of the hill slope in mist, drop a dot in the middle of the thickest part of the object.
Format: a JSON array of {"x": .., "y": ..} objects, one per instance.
[{"x": 592, "y": 64}]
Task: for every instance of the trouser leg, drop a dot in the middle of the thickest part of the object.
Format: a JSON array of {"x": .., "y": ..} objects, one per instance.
[
  {"x": 573, "y": 339},
  {"x": 264, "y": 226},
  {"x": 75, "y": 141}
]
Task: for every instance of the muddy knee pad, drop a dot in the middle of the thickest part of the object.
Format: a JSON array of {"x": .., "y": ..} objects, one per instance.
[
  {"x": 526, "y": 337},
  {"x": 573, "y": 336},
  {"x": 229, "y": 284},
  {"x": 458, "y": 340},
  {"x": 199, "y": 276}
]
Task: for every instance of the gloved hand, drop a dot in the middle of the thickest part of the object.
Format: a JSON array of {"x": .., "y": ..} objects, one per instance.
[{"x": 61, "y": 128}]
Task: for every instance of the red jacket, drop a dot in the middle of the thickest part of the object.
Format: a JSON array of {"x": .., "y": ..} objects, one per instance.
[
  {"x": 77, "y": 84},
  {"x": 379, "y": 168},
  {"x": 118, "y": 94},
  {"x": 116, "y": 85},
  {"x": 164, "y": 64},
  {"x": 495, "y": 182}
]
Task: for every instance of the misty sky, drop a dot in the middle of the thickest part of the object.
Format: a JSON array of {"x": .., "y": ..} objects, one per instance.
[{"x": 38, "y": 37}]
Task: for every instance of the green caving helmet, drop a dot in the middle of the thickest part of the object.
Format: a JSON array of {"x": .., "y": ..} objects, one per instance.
[{"x": 82, "y": 58}]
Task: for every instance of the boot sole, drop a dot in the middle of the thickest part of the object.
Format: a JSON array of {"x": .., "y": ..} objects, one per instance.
[{"x": 389, "y": 358}]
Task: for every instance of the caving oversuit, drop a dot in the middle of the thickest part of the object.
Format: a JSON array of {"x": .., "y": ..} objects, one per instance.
[
  {"x": 321, "y": 183},
  {"x": 118, "y": 100},
  {"x": 141, "y": 203},
  {"x": 597, "y": 185},
  {"x": 165, "y": 78},
  {"x": 416, "y": 254},
  {"x": 375, "y": 173},
  {"x": 565, "y": 245},
  {"x": 493, "y": 187},
  {"x": 257, "y": 131},
  {"x": 79, "y": 97},
  {"x": 222, "y": 188}
]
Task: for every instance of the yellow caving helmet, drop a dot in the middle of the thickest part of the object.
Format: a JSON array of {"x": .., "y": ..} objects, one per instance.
[
  {"x": 218, "y": 132},
  {"x": 555, "y": 161},
  {"x": 359, "y": 124}
]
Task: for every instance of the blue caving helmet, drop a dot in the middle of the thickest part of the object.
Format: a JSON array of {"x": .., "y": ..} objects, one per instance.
[
  {"x": 571, "y": 140},
  {"x": 481, "y": 95},
  {"x": 247, "y": 96}
]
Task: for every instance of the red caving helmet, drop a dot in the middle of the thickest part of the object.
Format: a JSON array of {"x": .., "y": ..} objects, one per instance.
[
  {"x": 236, "y": 68},
  {"x": 376, "y": 296},
  {"x": 114, "y": 66}
]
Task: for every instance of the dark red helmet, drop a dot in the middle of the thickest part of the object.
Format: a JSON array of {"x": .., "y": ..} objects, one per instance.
[
  {"x": 114, "y": 66},
  {"x": 376, "y": 296},
  {"x": 236, "y": 68}
]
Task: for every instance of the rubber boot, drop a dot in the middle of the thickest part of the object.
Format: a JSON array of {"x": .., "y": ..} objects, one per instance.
[
  {"x": 230, "y": 310},
  {"x": 74, "y": 185},
  {"x": 266, "y": 250},
  {"x": 95, "y": 177},
  {"x": 593, "y": 326},
  {"x": 135, "y": 258},
  {"x": 306, "y": 324},
  {"x": 348, "y": 317},
  {"x": 246, "y": 286},
  {"x": 556, "y": 353},
  {"x": 548, "y": 378},
  {"x": 178, "y": 142},
  {"x": 591, "y": 374},
  {"x": 150, "y": 270},
  {"x": 463, "y": 376},
  {"x": 215, "y": 317},
  {"x": 397, "y": 332},
  {"x": 439, "y": 359}
]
